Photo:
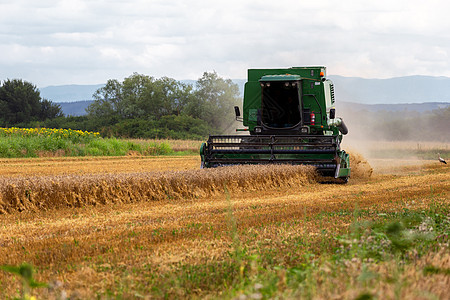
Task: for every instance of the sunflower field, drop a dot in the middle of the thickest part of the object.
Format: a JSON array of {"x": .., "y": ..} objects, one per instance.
[
  {"x": 73, "y": 135},
  {"x": 42, "y": 142}
]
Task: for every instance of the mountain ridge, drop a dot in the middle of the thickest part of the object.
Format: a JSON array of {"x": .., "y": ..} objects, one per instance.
[
  {"x": 78, "y": 108},
  {"x": 396, "y": 90},
  {"x": 406, "y": 89}
]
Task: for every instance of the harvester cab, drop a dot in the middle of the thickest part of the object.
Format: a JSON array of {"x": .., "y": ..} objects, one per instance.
[{"x": 289, "y": 117}]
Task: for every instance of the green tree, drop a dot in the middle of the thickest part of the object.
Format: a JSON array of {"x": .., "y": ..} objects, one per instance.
[
  {"x": 50, "y": 110},
  {"x": 140, "y": 97},
  {"x": 216, "y": 98},
  {"x": 147, "y": 97},
  {"x": 439, "y": 123},
  {"x": 174, "y": 95},
  {"x": 148, "y": 101},
  {"x": 20, "y": 102},
  {"x": 108, "y": 102}
]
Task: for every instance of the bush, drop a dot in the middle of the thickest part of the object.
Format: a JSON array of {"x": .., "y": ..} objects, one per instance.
[{"x": 168, "y": 127}]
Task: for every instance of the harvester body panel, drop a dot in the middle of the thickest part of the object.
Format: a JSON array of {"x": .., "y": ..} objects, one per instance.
[{"x": 290, "y": 118}]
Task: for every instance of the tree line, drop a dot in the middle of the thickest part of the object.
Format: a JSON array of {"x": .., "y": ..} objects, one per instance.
[{"x": 140, "y": 106}]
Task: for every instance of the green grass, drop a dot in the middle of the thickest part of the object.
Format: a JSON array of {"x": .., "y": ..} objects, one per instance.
[
  {"x": 25, "y": 272},
  {"x": 35, "y": 146},
  {"x": 292, "y": 266},
  {"x": 296, "y": 266},
  {"x": 266, "y": 270}
]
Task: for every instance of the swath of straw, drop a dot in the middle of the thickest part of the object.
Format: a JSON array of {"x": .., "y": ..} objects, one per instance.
[{"x": 52, "y": 192}]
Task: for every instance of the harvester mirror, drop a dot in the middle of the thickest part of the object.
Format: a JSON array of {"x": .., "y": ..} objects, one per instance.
[
  {"x": 238, "y": 114},
  {"x": 332, "y": 113},
  {"x": 237, "y": 111}
]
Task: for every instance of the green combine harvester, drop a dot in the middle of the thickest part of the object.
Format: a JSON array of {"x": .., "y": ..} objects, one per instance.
[{"x": 290, "y": 118}]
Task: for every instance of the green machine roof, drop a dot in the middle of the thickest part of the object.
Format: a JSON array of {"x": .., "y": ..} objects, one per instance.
[{"x": 286, "y": 77}]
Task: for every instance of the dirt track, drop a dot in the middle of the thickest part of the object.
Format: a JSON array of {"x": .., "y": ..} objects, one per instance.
[{"x": 170, "y": 232}]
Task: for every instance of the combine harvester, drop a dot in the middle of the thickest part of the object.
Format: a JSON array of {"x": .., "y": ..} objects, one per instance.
[{"x": 290, "y": 117}]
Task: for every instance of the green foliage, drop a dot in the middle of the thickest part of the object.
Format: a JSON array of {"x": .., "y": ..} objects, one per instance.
[
  {"x": 398, "y": 239},
  {"x": 364, "y": 296},
  {"x": 430, "y": 270},
  {"x": 144, "y": 107},
  {"x": 171, "y": 126},
  {"x": 139, "y": 96},
  {"x": 78, "y": 123},
  {"x": 32, "y": 142},
  {"x": 138, "y": 107},
  {"x": 20, "y": 102},
  {"x": 49, "y": 110},
  {"x": 216, "y": 99},
  {"x": 395, "y": 237},
  {"x": 26, "y": 273}
]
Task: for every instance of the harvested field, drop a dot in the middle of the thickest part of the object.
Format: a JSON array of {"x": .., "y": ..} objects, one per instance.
[
  {"x": 32, "y": 192},
  {"x": 19, "y": 167},
  {"x": 161, "y": 228}
]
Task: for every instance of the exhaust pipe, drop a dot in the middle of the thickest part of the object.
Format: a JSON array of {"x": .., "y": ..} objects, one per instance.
[
  {"x": 339, "y": 123},
  {"x": 343, "y": 128}
]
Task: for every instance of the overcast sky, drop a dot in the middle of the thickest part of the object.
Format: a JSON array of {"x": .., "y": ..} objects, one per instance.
[{"x": 88, "y": 42}]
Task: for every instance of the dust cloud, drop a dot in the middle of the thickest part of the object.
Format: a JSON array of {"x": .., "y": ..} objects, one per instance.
[
  {"x": 360, "y": 167},
  {"x": 388, "y": 141}
]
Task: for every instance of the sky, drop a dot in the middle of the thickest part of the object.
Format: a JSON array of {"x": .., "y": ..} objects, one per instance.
[{"x": 88, "y": 41}]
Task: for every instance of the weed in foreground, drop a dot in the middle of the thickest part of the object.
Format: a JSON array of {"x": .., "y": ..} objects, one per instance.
[
  {"x": 26, "y": 273},
  {"x": 372, "y": 255}
]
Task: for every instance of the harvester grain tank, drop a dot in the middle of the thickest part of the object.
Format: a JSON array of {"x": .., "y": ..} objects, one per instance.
[{"x": 290, "y": 118}]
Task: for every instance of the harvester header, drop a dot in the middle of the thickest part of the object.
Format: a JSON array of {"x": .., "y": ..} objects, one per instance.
[{"x": 290, "y": 118}]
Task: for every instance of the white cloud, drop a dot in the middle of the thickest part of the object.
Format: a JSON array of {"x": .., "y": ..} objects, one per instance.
[{"x": 62, "y": 42}]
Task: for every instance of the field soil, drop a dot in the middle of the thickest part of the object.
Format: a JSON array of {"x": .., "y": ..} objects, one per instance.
[{"x": 126, "y": 249}]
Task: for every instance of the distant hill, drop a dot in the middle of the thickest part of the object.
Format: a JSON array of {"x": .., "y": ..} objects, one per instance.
[
  {"x": 75, "y": 109},
  {"x": 69, "y": 93},
  {"x": 78, "y": 108},
  {"x": 409, "y": 89}
]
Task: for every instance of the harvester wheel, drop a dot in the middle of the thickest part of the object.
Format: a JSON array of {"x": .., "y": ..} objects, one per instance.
[{"x": 343, "y": 180}]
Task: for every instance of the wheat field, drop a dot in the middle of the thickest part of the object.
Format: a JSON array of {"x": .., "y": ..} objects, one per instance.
[{"x": 147, "y": 227}]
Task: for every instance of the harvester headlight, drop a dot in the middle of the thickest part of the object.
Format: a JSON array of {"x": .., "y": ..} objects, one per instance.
[
  {"x": 258, "y": 129},
  {"x": 304, "y": 129}
]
